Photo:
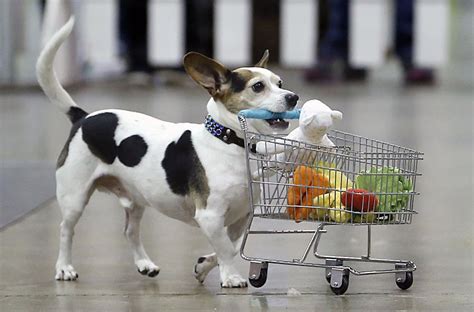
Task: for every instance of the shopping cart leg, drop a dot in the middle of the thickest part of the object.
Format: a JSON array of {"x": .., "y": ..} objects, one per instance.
[
  {"x": 369, "y": 242},
  {"x": 320, "y": 230}
]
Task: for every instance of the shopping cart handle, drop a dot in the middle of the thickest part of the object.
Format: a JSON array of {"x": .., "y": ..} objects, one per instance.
[{"x": 265, "y": 114}]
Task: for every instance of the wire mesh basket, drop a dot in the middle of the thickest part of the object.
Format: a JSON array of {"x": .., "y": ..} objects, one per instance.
[{"x": 360, "y": 181}]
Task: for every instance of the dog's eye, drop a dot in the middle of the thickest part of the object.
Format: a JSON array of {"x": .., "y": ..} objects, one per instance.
[
  {"x": 280, "y": 84},
  {"x": 258, "y": 87}
]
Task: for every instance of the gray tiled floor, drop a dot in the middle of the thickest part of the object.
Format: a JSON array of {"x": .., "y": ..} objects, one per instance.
[{"x": 437, "y": 121}]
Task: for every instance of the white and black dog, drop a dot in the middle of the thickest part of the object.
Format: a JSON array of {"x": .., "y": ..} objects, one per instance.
[{"x": 191, "y": 172}]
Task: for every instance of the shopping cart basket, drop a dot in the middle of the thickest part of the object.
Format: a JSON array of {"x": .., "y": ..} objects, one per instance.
[{"x": 359, "y": 182}]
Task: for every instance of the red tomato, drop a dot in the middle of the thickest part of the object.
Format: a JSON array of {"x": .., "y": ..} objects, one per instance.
[{"x": 359, "y": 200}]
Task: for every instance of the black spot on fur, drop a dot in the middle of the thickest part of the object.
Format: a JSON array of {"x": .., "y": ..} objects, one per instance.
[
  {"x": 65, "y": 151},
  {"x": 98, "y": 132},
  {"x": 237, "y": 83},
  {"x": 184, "y": 171},
  {"x": 76, "y": 114},
  {"x": 131, "y": 150}
]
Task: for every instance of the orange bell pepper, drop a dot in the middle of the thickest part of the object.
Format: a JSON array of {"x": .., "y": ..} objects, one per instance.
[{"x": 308, "y": 184}]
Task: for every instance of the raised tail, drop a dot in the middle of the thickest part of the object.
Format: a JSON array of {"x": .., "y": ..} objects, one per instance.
[{"x": 47, "y": 77}]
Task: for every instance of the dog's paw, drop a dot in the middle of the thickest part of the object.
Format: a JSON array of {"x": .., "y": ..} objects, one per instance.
[
  {"x": 234, "y": 281},
  {"x": 146, "y": 267},
  {"x": 203, "y": 266},
  {"x": 66, "y": 273}
]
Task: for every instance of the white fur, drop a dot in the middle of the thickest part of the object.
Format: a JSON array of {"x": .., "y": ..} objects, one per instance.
[
  {"x": 145, "y": 185},
  {"x": 46, "y": 75},
  {"x": 273, "y": 97}
]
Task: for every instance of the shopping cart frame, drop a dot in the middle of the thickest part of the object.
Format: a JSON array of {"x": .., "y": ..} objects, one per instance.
[{"x": 337, "y": 271}]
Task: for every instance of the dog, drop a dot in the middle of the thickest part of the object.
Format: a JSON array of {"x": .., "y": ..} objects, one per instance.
[{"x": 191, "y": 172}]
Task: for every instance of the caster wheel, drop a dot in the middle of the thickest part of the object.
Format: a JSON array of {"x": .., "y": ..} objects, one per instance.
[
  {"x": 345, "y": 284},
  {"x": 260, "y": 281},
  {"x": 331, "y": 262},
  {"x": 328, "y": 277},
  {"x": 408, "y": 281}
]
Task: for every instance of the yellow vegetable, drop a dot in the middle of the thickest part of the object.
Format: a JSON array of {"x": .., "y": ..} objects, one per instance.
[
  {"x": 339, "y": 215},
  {"x": 321, "y": 202},
  {"x": 337, "y": 179},
  {"x": 324, "y": 200},
  {"x": 330, "y": 200}
]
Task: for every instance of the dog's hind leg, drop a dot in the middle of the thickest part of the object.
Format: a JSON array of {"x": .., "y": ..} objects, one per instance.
[
  {"x": 133, "y": 216},
  {"x": 72, "y": 206},
  {"x": 204, "y": 265}
]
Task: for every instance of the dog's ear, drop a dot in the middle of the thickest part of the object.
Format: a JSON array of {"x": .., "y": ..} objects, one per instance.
[
  {"x": 207, "y": 72},
  {"x": 264, "y": 60}
]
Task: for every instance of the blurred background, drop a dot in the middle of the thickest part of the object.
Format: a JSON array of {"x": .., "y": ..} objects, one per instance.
[
  {"x": 329, "y": 40},
  {"x": 401, "y": 71}
]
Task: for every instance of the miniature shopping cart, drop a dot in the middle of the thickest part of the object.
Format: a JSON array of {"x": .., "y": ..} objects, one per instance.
[{"x": 359, "y": 182}]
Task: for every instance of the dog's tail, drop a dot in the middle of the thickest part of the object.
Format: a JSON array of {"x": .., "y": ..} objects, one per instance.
[{"x": 47, "y": 77}]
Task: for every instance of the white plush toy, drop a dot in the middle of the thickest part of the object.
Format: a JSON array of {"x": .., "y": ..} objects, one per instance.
[{"x": 315, "y": 120}]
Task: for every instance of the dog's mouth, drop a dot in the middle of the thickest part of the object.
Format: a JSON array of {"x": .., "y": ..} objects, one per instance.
[{"x": 278, "y": 123}]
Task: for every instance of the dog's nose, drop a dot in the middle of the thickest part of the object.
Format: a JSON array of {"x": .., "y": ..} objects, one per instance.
[{"x": 291, "y": 99}]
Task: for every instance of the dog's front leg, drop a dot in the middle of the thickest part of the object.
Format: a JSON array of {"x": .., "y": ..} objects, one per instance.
[
  {"x": 212, "y": 224},
  {"x": 206, "y": 263}
]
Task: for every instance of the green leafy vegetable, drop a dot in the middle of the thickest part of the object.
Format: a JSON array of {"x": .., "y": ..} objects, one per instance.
[{"x": 389, "y": 185}]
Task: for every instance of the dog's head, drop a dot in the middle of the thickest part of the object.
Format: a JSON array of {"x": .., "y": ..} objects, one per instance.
[{"x": 243, "y": 88}]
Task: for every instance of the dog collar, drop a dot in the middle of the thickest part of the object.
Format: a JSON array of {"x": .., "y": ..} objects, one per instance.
[{"x": 225, "y": 134}]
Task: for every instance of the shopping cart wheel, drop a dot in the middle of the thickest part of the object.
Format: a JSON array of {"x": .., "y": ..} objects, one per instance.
[
  {"x": 339, "y": 281},
  {"x": 405, "y": 284},
  {"x": 332, "y": 262},
  {"x": 328, "y": 278},
  {"x": 258, "y": 273}
]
